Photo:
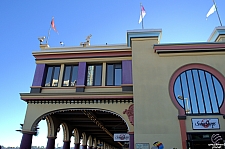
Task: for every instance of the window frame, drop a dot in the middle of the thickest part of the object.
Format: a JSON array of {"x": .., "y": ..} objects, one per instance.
[
  {"x": 114, "y": 72},
  {"x": 70, "y": 75},
  {"x": 213, "y": 71},
  {"x": 94, "y": 74},
  {"x": 52, "y": 75}
]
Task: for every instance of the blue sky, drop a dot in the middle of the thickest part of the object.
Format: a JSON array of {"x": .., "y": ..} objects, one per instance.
[{"x": 23, "y": 21}]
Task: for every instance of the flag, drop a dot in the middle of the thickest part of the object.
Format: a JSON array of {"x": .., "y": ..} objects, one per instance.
[
  {"x": 142, "y": 15},
  {"x": 53, "y": 25},
  {"x": 211, "y": 11}
]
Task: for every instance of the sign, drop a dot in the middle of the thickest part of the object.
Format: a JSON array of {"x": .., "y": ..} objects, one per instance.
[
  {"x": 142, "y": 146},
  {"x": 205, "y": 123},
  {"x": 121, "y": 137}
]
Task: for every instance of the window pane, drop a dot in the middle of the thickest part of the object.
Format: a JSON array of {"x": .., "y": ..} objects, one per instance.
[
  {"x": 205, "y": 92},
  {"x": 56, "y": 76},
  {"x": 48, "y": 77},
  {"x": 212, "y": 96},
  {"x": 191, "y": 91},
  {"x": 118, "y": 76},
  {"x": 74, "y": 75},
  {"x": 199, "y": 92},
  {"x": 98, "y": 75},
  {"x": 90, "y": 75},
  {"x": 66, "y": 78},
  {"x": 117, "y": 66},
  {"x": 219, "y": 91},
  {"x": 110, "y": 75}
]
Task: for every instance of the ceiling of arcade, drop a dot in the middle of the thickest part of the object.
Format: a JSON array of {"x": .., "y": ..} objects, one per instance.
[{"x": 99, "y": 124}]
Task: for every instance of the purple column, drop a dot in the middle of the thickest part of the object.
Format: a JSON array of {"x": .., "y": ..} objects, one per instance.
[
  {"x": 66, "y": 145},
  {"x": 51, "y": 143},
  {"x": 77, "y": 146},
  {"x": 39, "y": 74},
  {"x": 131, "y": 144},
  {"x": 127, "y": 72},
  {"x": 38, "y": 78},
  {"x": 84, "y": 146},
  {"x": 81, "y": 77},
  {"x": 89, "y": 147},
  {"x": 26, "y": 141},
  {"x": 127, "y": 75}
]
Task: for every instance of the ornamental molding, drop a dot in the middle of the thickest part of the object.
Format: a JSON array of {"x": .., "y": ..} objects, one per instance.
[{"x": 130, "y": 113}]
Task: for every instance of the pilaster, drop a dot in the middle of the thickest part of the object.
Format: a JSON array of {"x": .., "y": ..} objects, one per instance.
[{"x": 81, "y": 77}]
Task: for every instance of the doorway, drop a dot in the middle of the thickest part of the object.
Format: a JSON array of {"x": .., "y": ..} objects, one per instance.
[{"x": 203, "y": 140}]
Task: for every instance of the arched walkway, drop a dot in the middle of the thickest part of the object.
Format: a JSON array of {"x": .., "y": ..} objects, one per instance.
[{"x": 89, "y": 123}]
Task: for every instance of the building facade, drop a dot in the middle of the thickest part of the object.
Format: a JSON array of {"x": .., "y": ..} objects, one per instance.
[{"x": 137, "y": 93}]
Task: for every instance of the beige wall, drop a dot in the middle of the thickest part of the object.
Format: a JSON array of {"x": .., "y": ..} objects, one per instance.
[{"x": 157, "y": 120}]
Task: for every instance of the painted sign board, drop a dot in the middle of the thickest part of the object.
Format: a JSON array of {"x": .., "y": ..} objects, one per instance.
[
  {"x": 121, "y": 137},
  {"x": 142, "y": 146},
  {"x": 205, "y": 123}
]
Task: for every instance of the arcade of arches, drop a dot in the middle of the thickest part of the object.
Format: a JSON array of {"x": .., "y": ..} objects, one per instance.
[{"x": 90, "y": 127}]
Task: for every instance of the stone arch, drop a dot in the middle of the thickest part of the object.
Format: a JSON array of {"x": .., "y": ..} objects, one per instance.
[
  {"x": 50, "y": 126},
  {"x": 94, "y": 143},
  {"x": 84, "y": 138},
  {"x": 89, "y": 141},
  {"x": 66, "y": 134},
  {"x": 76, "y": 136}
]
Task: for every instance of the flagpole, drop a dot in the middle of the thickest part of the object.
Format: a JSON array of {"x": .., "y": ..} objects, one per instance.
[
  {"x": 49, "y": 31},
  {"x": 217, "y": 13},
  {"x": 142, "y": 18},
  {"x": 48, "y": 34}
]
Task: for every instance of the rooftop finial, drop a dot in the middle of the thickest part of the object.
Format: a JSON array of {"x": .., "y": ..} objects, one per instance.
[{"x": 87, "y": 43}]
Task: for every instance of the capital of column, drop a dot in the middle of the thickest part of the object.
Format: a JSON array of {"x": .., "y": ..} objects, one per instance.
[
  {"x": 66, "y": 141},
  {"x": 51, "y": 137},
  {"x": 28, "y": 132}
]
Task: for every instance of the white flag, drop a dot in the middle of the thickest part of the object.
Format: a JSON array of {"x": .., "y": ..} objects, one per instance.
[
  {"x": 143, "y": 13},
  {"x": 211, "y": 11}
]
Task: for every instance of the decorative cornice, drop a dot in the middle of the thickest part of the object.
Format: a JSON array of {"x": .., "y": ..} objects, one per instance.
[
  {"x": 189, "y": 47},
  {"x": 78, "y": 98},
  {"x": 78, "y": 95},
  {"x": 81, "y": 54}
]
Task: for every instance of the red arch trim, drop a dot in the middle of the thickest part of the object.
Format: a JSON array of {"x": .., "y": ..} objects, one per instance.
[{"x": 210, "y": 69}]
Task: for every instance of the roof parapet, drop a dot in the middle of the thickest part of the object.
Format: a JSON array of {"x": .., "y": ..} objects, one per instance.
[
  {"x": 218, "y": 35},
  {"x": 143, "y": 33}
]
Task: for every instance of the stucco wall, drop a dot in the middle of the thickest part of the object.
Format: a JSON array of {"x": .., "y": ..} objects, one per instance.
[{"x": 155, "y": 115}]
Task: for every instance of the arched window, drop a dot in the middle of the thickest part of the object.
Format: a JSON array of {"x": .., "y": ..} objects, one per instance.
[{"x": 198, "y": 91}]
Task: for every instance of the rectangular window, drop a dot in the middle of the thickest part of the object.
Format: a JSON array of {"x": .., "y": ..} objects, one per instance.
[
  {"x": 94, "y": 75},
  {"x": 113, "y": 74},
  {"x": 52, "y": 77},
  {"x": 70, "y": 75}
]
